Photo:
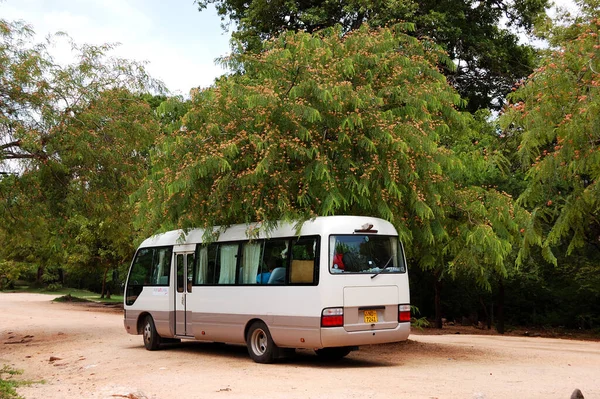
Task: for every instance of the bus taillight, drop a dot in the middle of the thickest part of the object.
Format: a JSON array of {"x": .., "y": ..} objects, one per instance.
[
  {"x": 403, "y": 313},
  {"x": 332, "y": 317}
]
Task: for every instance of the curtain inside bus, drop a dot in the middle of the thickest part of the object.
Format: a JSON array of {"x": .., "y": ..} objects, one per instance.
[
  {"x": 228, "y": 263},
  {"x": 251, "y": 261}
]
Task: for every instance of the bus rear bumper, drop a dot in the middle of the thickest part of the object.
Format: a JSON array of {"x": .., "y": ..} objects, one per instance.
[{"x": 337, "y": 336}]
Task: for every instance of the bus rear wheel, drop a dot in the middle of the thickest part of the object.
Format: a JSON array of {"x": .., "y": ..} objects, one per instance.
[
  {"x": 151, "y": 337},
  {"x": 331, "y": 354},
  {"x": 261, "y": 347}
]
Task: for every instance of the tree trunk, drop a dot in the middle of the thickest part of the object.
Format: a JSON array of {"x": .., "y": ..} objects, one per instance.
[
  {"x": 488, "y": 319},
  {"x": 438, "y": 302},
  {"x": 104, "y": 282},
  {"x": 500, "y": 317}
]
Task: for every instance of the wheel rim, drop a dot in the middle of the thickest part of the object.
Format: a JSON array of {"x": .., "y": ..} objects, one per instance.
[
  {"x": 147, "y": 333},
  {"x": 259, "y": 342}
]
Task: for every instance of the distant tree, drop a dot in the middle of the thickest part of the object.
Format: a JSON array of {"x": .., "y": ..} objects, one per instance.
[
  {"x": 489, "y": 57},
  {"x": 74, "y": 145},
  {"x": 324, "y": 124}
]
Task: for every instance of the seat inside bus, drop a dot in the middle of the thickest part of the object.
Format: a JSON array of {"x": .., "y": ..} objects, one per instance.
[{"x": 277, "y": 276}]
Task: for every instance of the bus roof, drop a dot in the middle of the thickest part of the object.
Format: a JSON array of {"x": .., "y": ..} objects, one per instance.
[{"x": 323, "y": 225}]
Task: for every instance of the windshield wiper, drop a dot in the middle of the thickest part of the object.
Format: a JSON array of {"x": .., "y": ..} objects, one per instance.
[{"x": 386, "y": 265}]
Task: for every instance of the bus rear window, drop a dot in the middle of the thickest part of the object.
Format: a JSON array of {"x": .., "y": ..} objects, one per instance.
[{"x": 365, "y": 254}]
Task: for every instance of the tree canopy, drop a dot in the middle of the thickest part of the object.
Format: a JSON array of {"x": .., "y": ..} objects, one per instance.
[
  {"x": 74, "y": 144},
  {"x": 331, "y": 123},
  {"x": 480, "y": 36},
  {"x": 555, "y": 115}
]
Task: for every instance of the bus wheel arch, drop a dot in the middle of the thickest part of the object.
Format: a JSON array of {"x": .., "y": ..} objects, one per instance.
[
  {"x": 261, "y": 347},
  {"x": 140, "y": 322}
]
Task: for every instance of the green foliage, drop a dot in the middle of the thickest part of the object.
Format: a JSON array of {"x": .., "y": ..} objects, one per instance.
[
  {"x": 10, "y": 272},
  {"x": 566, "y": 295},
  {"x": 418, "y": 322},
  {"x": 315, "y": 126},
  {"x": 323, "y": 124},
  {"x": 555, "y": 116},
  {"x": 8, "y": 385},
  {"x": 77, "y": 137},
  {"x": 170, "y": 113},
  {"x": 489, "y": 57}
]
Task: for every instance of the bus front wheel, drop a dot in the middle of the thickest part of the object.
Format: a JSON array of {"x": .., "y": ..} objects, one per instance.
[
  {"x": 261, "y": 347},
  {"x": 151, "y": 337}
]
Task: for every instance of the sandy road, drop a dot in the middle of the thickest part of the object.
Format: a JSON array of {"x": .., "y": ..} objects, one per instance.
[{"x": 99, "y": 360}]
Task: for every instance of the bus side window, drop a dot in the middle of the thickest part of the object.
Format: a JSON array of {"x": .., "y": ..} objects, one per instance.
[
  {"x": 151, "y": 267},
  {"x": 140, "y": 271},
  {"x": 302, "y": 269},
  {"x": 273, "y": 268},
  {"x": 161, "y": 263},
  {"x": 211, "y": 267},
  {"x": 201, "y": 270}
]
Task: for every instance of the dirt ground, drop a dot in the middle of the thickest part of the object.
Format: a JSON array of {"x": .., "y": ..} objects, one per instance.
[{"x": 96, "y": 358}]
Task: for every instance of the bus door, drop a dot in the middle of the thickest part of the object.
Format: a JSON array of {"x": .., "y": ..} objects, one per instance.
[{"x": 183, "y": 286}]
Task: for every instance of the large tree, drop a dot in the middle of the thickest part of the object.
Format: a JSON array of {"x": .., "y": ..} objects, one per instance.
[
  {"x": 555, "y": 116},
  {"x": 74, "y": 141},
  {"x": 330, "y": 123},
  {"x": 480, "y": 36}
]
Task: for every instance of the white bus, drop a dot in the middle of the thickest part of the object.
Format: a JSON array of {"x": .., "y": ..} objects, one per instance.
[{"x": 340, "y": 283}]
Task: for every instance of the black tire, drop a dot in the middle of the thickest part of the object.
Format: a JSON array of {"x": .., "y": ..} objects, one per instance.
[
  {"x": 261, "y": 347},
  {"x": 151, "y": 337},
  {"x": 332, "y": 354}
]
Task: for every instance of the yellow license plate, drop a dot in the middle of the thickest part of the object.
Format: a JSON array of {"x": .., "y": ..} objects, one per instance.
[{"x": 370, "y": 316}]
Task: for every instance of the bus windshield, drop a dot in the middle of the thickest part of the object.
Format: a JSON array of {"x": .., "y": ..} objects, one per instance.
[{"x": 365, "y": 254}]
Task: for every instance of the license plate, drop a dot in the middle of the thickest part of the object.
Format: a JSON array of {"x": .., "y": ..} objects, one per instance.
[{"x": 370, "y": 316}]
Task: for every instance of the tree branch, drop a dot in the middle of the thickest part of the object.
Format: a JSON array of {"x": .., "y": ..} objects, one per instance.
[{"x": 16, "y": 143}]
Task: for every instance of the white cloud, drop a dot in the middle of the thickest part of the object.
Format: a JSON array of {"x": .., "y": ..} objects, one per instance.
[{"x": 179, "y": 43}]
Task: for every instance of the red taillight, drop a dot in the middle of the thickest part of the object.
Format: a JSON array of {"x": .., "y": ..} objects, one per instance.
[
  {"x": 403, "y": 313},
  {"x": 332, "y": 317}
]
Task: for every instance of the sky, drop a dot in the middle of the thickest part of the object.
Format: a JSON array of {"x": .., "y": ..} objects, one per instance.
[{"x": 179, "y": 42}]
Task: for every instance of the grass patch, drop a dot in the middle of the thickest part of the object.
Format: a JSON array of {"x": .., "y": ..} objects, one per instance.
[
  {"x": 70, "y": 298},
  {"x": 8, "y": 385}
]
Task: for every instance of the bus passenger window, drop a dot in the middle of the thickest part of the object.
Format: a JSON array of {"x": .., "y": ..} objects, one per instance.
[
  {"x": 251, "y": 255},
  {"x": 302, "y": 269},
  {"x": 227, "y": 263},
  {"x": 273, "y": 268},
  {"x": 202, "y": 265}
]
